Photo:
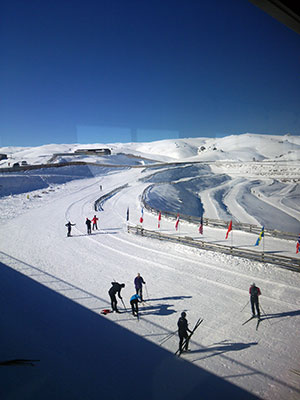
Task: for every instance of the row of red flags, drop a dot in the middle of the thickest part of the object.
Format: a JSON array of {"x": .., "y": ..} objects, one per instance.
[
  {"x": 200, "y": 229},
  {"x": 159, "y": 220}
]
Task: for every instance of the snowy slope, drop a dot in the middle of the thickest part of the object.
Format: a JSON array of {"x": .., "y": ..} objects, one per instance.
[
  {"x": 243, "y": 147},
  {"x": 84, "y": 355}
]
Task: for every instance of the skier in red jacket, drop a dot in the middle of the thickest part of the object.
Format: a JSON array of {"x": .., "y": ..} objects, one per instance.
[{"x": 94, "y": 221}]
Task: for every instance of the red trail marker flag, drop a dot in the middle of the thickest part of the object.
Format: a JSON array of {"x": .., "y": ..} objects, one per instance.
[
  {"x": 229, "y": 229},
  {"x": 201, "y": 226},
  {"x": 142, "y": 216},
  {"x": 177, "y": 222},
  {"x": 298, "y": 245},
  {"x": 159, "y": 219}
]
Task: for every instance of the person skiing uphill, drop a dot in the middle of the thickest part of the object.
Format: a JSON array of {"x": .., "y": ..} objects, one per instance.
[
  {"x": 138, "y": 283},
  {"x": 88, "y": 226},
  {"x": 134, "y": 300},
  {"x": 183, "y": 332},
  {"x": 254, "y": 292},
  {"x": 116, "y": 288},
  {"x": 94, "y": 221},
  {"x": 69, "y": 226}
]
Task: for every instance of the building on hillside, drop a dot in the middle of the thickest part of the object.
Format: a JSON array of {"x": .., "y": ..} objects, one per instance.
[{"x": 96, "y": 152}]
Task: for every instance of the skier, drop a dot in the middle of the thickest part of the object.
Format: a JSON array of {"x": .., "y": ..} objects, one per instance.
[
  {"x": 94, "y": 221},
  {"x": 183, "y": 332},
  {"x": 69, "y": 225},
  {"x": 254, "y": 292},
  {"x": 116, "y": 288},
  {"x": 88, "y": 225},
  {"x": 134, "y": 300},
  {"x": 138, "y": 283}
]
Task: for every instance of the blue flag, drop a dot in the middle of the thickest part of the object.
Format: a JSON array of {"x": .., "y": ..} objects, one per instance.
[{"x": 261, "y": 235}]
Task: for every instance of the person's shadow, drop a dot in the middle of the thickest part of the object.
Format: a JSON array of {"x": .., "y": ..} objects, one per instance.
[
  {"x": 160, "y": 309},
  {"x": 220, "y": 348},
  {"x": 95, "y": 233},
  {"x": 280, "y": 315},
  {"x": 171, "y": 298}
]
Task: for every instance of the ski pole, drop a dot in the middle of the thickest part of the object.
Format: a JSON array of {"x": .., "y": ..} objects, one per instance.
[
  {"x": 263, "y": 310},
  {"x": 167, "y": 337},
  {"x": 124, "y": 305},
  {"x": 245, "y": 306},
  {"x": 265, "y": 314},
  {"x": 146, "y": 291}
]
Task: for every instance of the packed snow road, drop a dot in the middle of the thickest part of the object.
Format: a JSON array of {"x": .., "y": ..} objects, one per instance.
[{"x": 204, "y": 284}]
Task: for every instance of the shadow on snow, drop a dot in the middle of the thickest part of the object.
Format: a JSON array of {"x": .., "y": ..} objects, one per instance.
[{"x": 223, "y": 348}]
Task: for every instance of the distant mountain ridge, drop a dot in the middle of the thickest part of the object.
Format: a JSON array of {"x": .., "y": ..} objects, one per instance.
[{"x": 244, "y": 147}]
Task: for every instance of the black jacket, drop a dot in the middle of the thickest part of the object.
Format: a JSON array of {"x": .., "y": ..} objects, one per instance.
[
  {"x": 116, "y": 288},
  {"x": 254, "y": 292},
  {"x": 182, "y": 325}
]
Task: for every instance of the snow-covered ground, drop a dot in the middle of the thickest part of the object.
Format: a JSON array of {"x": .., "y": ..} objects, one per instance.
[{"x": 53, "y": 287}]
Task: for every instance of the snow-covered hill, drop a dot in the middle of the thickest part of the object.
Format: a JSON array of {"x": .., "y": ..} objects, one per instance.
[{"x": 244, "y": 147}]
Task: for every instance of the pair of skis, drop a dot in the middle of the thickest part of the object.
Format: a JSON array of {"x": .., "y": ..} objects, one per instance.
[
  {"x": 253, "y": 317},
  {"x": 295, "y": 371},
  {"x": 186, "y": 341}
]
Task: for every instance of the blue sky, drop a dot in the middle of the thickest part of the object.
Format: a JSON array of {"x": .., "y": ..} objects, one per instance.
[{"x": 129, "y": 70}]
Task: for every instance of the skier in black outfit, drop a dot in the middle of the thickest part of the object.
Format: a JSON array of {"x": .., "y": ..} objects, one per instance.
[
  {"x": 116, "y": 288},
  {"x": 254, "y": 292},
  {"x": 138, "y": 283},
  {"x": 183, "y": 331},
  {"x": 88, "y": 225},
  {"x": 69, "y": 225}
]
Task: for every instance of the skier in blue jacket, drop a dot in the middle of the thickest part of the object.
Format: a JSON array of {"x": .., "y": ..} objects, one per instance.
[{"x": 134, "y": 300}]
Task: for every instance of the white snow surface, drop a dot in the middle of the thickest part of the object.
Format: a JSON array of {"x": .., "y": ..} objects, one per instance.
[{"x": 53, "y": 287}]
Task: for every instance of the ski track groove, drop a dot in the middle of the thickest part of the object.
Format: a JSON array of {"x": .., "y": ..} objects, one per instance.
[{"x": 232, "y": 204}]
